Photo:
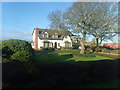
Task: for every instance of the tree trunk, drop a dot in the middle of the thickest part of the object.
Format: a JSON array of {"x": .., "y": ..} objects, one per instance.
[
  {"x": 82, "y": 42},
  {"x": 101, "y": 41},
  {"x": 82, "y": 47},
  {"x": 97, "y": 42}
]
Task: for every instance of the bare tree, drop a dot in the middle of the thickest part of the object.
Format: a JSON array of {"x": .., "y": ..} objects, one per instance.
[
  {"x": 92, "y": 18},
  {"x": 56, "y": 20},
  {"x": 104, "y": 23}
]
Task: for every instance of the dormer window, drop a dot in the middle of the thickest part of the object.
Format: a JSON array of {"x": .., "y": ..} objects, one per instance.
[
  {"x": 55, "y": 36},
  {"x": 45, "y": 35}
]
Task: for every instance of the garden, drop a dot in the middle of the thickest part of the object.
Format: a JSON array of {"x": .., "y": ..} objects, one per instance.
[
  {"x": 66, "y": 55},
  {"x": 23, "y": 67}
]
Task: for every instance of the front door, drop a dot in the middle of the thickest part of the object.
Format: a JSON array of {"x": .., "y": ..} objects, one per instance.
[{"x": 55, "y": 45}]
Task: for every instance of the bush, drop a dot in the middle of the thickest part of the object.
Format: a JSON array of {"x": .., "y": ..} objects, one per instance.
[
  {"x": 86, "y": 55},
  {"x": 88, "y": 51},
  {"x": 104, "y": 50},
  {"x": 21, "y": 56},
  {"x": 16, "y": 49},
  {"x": 75, "y": 46},
  {"x": 46, "y": 48},
  {"x": 98, "y": 49},
  {"x": 93, "y": 47},
  {"x": 6, "y": 52},
  {"x": 66, "y": 48},
  {"x": 17, "y": 45}
]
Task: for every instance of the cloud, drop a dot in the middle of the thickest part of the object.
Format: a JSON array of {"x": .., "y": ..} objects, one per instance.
[{"x": 12, "y": 34}]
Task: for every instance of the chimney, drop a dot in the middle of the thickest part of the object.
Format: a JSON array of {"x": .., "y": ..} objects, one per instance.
[{"x": 35, "y": 36}]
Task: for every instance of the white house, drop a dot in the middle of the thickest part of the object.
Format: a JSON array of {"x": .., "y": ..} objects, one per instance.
[{"x": 50, "y": 38}]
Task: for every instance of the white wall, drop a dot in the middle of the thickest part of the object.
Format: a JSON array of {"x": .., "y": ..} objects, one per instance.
[
  {"x": 41, "y": 44},
  {"x": 67, "y": 39}
]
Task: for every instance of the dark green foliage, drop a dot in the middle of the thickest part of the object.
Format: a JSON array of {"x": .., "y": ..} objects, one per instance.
[
  {"x": 66, "y": 48},
  {"x": 17, "y": 50},
  {"x": 46, "y": 48},
  {"x": 17, "y": 45},
  {"x": 87, "y": 55},
  {"x": 22, "y": 56},
  {"x": 67, "y": 51},
  {"x": 75, "y": 46},
  {"x": 6, "y": 52},
  {"x": 88, "y": 51}
]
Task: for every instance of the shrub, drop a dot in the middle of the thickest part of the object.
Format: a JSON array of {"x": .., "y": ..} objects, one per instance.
[
  {"x": 75, "y": 46},
  {"x": 17, "y": 49},
  {"x": 46, "y": 48},
  {"x": 98, "y": 49},
  {"x": 104, "y": 50},
  {"x": 21, "y": 56},
  {"x": 88, "y": 51},
  {"x": 66, "y": 48},
  {"x": 93, "y": 47},
  {"x": 17, "y": 45},
  {"x": 87, "y": 55},
  {"x": 5, "y": 60},
  {"x": 6, "y": 52}
]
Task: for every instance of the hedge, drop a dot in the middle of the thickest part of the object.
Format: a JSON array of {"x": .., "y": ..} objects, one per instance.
[
  {"x": 46, "y": 48},
  {"x": 66, "y": 48},
  {"x": 15, "y": 49}
]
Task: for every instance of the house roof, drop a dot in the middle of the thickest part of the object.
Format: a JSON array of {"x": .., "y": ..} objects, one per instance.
[{"x": 52, "y": 32}]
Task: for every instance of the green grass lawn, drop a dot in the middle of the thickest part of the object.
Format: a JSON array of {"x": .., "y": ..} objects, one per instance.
[{"x": 52, "y": 57}]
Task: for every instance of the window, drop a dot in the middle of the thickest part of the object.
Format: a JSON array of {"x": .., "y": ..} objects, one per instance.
[
  {"x": 50, "y": 36},
  {"x": 59, "y": 36},
  {"x": 50, "y": 44},
  {"x": 56, "y": 35},
  {"x": 67, "y": 44},
  {"x": 45, "y": 35},
  {"x": 46, "y": 44},
  {"x": 58, "y": 44}
]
